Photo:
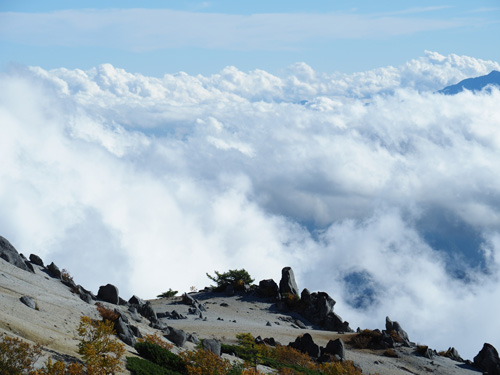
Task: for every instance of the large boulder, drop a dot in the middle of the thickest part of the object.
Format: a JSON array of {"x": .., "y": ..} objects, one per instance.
[
  {"x": 287, "y": 282},
  {"x": 487, "y": 360},
  {"x": 305, "y": 344},
  {"x": 10, "y": 254},
  {"x": 54, "y": 271},
  {"x": 28, "y": 301},
  {"x": 177, "y": 336},
  {"x": 109, "y": 293},
  {"x": 334, "y": 348},
  {"x": 35, "y": 259},
  {"x": 268, "y": 289}
]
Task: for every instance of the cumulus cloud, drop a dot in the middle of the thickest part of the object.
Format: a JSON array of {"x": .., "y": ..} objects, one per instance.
[{"x": 371, "y": 186}]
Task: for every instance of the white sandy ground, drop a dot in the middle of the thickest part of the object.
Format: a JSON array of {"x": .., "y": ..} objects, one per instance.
[{"x": 55, "y": 322}]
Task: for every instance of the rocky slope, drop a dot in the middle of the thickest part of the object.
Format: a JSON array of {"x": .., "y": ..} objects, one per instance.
[{"x": 41, "y": 305}]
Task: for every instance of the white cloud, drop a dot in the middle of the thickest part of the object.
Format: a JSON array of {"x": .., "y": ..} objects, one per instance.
[
  {"x": 150, "y": 29},
  {"x": 151, "y": 182}
]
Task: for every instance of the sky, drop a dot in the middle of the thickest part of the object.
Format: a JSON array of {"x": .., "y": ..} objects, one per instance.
[{"x": 145, "y": 144}]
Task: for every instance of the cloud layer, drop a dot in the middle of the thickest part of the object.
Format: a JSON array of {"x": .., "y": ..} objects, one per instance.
[
  {"x": 151, "y": 29},
  {"x": 371, "y": 186}
]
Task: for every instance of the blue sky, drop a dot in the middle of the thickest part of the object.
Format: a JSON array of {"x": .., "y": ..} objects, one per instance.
[{"x": 157, "y": 37}]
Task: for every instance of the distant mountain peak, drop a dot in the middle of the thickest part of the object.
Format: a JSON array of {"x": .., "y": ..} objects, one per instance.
[{"x": 473, "y": 84}]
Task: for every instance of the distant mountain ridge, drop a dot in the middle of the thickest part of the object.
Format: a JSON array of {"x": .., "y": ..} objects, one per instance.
[{"x": 473, "y": 84}]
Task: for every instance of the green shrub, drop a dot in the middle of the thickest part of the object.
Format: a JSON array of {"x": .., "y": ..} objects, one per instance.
[
  {"x": 170, "y": 293},
  {"x": 236, "y": 278},
  {"x": 139, "y": 366},
  {"x": 161, "y": 356}
]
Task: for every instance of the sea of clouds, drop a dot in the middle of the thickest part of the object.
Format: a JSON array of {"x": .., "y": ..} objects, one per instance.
[{"x": 372, "y": 186}]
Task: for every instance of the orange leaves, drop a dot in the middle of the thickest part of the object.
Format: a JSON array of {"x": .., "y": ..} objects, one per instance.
[{"x": 98, "y": 348}]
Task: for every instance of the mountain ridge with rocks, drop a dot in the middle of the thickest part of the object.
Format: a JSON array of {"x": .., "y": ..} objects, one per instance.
[{"x": 41, "y": 304}]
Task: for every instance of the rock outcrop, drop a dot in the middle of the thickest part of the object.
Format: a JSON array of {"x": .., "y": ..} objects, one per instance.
[
  {"x": 109, "y": 293},
  {"x": 396, "y": 332},
  {"x": 287, "y": 282},
  {"x": 487, "y": 360},
  {"x": 10, "y": 254}
]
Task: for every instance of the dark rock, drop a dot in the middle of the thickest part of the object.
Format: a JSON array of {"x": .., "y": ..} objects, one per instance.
[
  {"x": 395, "y": 330},
  {"x": 270, "y": 341},
  {"x": 287, "y": 282},
  {"x": 268, "y": 289},
  {"x": 30, "y": 266},
  {"x": 69, "y": 283},
  {"x": 124, "y": 332},
  {"x": 229, "y": 290},
  {"x": 54, "y": 271},
  {"x": 305, "y": 344},
  {"x": 224, "y": 304},
  {"x": 212, "y": 345},
  {"x": 318, "y": 309},
  {"x": 86, "y": 297},
  {"x": 109, "y": 293},
  {"x": 122, "y": 302},
  {"x": 487, "y": 360},
  {"x": 35, "y": 259},
  {"x": 175, "y": 315},
  {"x": 428, "y": 353},
  {"x": 335, "y": 347},
  {"x": 194, "y": 311},
  {"x": 334, "y": 322},
  {"x": 10, "y": 254},
  {"x": 134, "y": 300},
  {"x": 299, "y": 324},
  {"x": 268, "y": 323},
  {"x": 136, "y": 331},
  {"x": 147, "y": 311},
  {"x": 188, "y": 300},
  {"x": 28, "y": 301},
  {"x": 177, "y": 336}
]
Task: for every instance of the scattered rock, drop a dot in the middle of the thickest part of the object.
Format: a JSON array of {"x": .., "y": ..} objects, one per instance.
[
  {"x": 28, "y": 301},
  {"x": 177, "y": 336},
  {"x": 109, "y": 293},
  {"x": 305, "y": 344},
  {"x": 224, "y": 304},
  {"x": 10, "y": 254},
  {"x": 268, "y": 323},
  {"x": 487, "y": 360},
  {"x": 54, "y": 271},
  {"x": 212, "y": 345},
  {"x": 287, "y": 282},
  {"x": 35, "y": 259},
  {"x": 191, "y": 337}
]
